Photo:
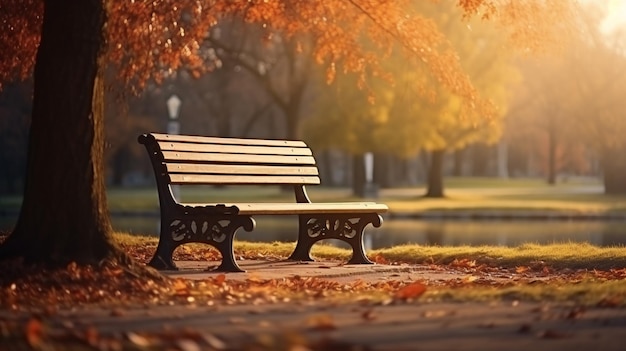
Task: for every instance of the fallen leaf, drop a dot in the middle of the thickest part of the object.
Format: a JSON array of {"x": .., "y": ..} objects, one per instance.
[
  {"x": 34, "y": 331},
  {"x": 368, "y": 315},
  {"x": 553, "y": 334},
  {"x": 463, "y": 263},
  {"x": 138, "y": 340},
  {"x": 321, "y": 322},
  {"x": 411, "y": 291},
  {"x": 435, "y": 314},
  {"x": 117, "y": 312},
  {"x": 236, "y": 320},
  {"x": 220, "y": 279},
  {"x": 179, "y": 284},
  {"x": 214, "y": 342},
  {"x": 575, "y": 313},
  {"x": 378, "y": 258},
  {"x": 521, "y": 269},
  {"x": 611, "y": 301},
  {"x": 188, "y": 345},
  {"x": 469, "y": 278},
  {"x": 92, "y": 336}
]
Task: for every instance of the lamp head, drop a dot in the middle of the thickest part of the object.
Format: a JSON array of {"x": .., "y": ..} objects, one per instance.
[{"x": 173, "y": 106}]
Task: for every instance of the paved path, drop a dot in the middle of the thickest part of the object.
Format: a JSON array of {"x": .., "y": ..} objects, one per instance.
[
  {"x": 354, "y": 326},
  {"x": 324, "y": 270},
  {"x": 421, "y": 326}
]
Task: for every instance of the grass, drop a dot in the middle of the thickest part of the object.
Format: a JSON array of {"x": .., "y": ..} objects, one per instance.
[
  {"x": 558, "y": 256},
  {"x": 462, "y": 194},
  {"x": 577, "y": 273}
]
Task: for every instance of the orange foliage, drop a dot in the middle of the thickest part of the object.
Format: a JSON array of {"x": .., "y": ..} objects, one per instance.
[
  {"x": 147, "y": 40},
  {"x": 411, "y": 291},
  {"x": 20, "y": 25}
]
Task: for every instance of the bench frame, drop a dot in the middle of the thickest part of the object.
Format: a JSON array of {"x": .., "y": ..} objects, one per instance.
[{"x": 217, "y": 224}]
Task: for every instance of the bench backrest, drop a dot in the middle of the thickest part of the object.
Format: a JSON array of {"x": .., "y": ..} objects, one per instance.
[{"x": 183, "y": 159}]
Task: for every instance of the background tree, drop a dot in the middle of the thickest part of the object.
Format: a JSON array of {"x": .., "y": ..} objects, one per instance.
[
  {"x": 416, "y": 111},
  {"x": 573, "y": 115},
  {"x": 147, "y": 41}
]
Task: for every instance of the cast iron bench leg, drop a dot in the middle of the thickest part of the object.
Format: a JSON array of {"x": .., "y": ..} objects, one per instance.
[
  {"x": 348, "y": 228},
  {"x": 215, "y": 230}
]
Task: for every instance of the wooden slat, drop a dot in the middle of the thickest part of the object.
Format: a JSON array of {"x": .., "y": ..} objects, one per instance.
[
  {"x": 173, "y": 156},
  {"x": 305, "y": 208},
  {"x": 239, "y": 179},
  {"x": 234, "y": 149},
  {"x": 232, "y": 141},
  {"x": 239, "y": 169}
]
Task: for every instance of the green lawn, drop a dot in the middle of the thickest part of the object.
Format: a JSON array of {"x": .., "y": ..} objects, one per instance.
[{"x": 462, "y": 194}]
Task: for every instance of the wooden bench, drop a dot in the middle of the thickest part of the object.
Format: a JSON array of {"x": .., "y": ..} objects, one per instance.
[{"x": 195, "y": 160}]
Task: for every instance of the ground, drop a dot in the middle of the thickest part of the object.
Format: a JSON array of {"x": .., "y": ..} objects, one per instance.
[{"x": 325, "y": 305}]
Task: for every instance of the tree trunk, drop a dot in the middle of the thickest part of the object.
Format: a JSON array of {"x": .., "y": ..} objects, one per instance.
[
  {"x": 614, "y": 168},
  {"x": 480, "y": 160},
  {"x": 435, "y": 174},
  {"x": 459, "y": 158},
  {"x": 358, "y": 175},
  {"x": 64, "y": 215},
  {"x": 502, "y": 159},
  {"x": 551, "y": 157}
]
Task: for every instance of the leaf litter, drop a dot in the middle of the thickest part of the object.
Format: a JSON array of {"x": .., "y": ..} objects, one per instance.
[{"x": 114, "y": 287}]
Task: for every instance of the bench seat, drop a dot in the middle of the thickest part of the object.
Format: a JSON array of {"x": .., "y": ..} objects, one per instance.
[
  {"x": 181, "y": 160},
  {"x": 285, "y": 208}
]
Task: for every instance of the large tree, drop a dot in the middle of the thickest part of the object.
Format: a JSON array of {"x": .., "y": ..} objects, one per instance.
[
  {"x": 68, "y": 43},
  {"x": 417, "y": 112},
  {"x": 577, "y": 114}
]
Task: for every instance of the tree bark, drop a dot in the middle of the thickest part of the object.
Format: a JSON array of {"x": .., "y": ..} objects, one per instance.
[
  {"x": 614, "y": 168},
  {"x": 64, "y": 216},
  {"x": 552, "y": 142},
  {"x": 435, "y": 174},
  {"x": 358, "y": 175},
  {"x": 459, "y": 158}
]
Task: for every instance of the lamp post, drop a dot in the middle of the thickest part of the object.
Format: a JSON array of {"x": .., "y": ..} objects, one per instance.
[
  {"x": 173, "y": 106},
  {"x": 173, "y": 127},
  {"x": 370, "y": 188}
]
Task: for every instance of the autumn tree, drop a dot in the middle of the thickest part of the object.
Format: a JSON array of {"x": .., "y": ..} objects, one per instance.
[
  {"x": 577, "y": 112},
  {"x": 542, "y": 116},
  {"x": 67, "y": 44},
  {"x": 412, "y": 110},
  {"x": 597, "y": 105},
  {"x": 279, "y": 63}
]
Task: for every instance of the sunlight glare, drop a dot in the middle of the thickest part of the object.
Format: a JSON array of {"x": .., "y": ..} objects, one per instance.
[{"x": 616, "y": 16}]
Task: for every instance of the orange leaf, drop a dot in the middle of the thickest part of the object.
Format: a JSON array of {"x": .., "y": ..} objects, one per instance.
[
  {"x": 463, "y": 263},
  {"x": 322, "y": 322},
  {"x": 611, "y": 301},
  {"x": 368, "y": 315},
  {"x": 378, "y": 258},
  {"x": 469, "y": 279},
  {"x": 179, "y": 284},
  {"x": 411, "y": 291},
  {"x": 34, "y": 331},
  {"x": 521, "y": 269},
  {"x": 219, "y": 279},
  {"x": 92, "y": 336}
]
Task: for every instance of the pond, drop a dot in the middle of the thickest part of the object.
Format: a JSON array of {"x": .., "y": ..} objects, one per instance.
[
  {"x": 431, "y": 232},
  {"x": 426, "y": 232}
]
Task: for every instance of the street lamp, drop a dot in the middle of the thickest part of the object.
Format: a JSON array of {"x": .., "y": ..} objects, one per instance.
[
  {"x": 173, "y": 106},
  {"x": 173, "y": 127},
  {"x": 370, "y": 188}
]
